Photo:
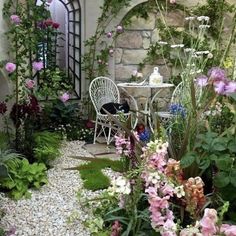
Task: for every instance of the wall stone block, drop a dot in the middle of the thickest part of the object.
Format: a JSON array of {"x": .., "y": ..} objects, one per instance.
[
  {"x": 175, "y": 18},
  {"x": 130, "y": 39},
  {"x": 123, "y": 73},
  {"x": 155, "y": 36},
  {"x": 146, "y": 34},
  {"x": 134, "y": 56},
  {"x": 146, "y": 43},
  {"x": 118, "y": 55},
  {"x": 139, "y": 23}
]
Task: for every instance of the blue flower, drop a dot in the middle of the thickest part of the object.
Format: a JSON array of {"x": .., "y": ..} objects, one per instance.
[
  {"x": 145, "y": 135},
  {"x": 177, "y": 109}
]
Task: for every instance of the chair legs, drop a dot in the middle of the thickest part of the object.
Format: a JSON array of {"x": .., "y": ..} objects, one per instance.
[{"x": 95, "y": 131}]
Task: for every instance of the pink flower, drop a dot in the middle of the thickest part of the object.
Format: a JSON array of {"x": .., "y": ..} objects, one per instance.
[
  {"x": 48, "y": 22},
  {"x": 208, "y": 222},
  {"x": 109, "y": 34},
  {"x": 30, "y": 84},
  {"x": 111, "y": 51},
  {"x": 15, "y": 19},
  {"x": 217, "y": 74},
  {"x": 37, "y": 65},
  {"x": 219, "y": 87},
  {"x": 10, "y": 67},
  {"x": 119, "y": 29},
  {"x": 116, "y": 228},
  {"x": 172, "y": 1},
  {"x": 228, "y": 230},
  {"x": 55, "y": 25},
  {"x": 202, "y": 81},
  {"x": 230, "y": 87},
  {"x": 64, "y": 97}
]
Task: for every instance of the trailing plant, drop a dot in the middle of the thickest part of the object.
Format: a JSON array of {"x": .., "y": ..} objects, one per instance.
[{"x": 22, "y": 177}]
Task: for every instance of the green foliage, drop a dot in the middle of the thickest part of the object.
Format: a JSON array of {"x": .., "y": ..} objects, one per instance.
[
  {"x": 92, "y": 175},
  {"x": 4, "y": 140},
  {"x": 5, "y": 157},
  {"x": 23, "y": 176},
  {"x": 52, "y": 81},
  {"x": 47, "y": 146}
]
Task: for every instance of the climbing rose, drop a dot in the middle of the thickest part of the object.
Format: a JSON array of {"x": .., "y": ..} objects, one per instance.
[
  {"x": 55, "y": 25},
  {"x": 10, "y": 67},
  {"x": 29, "y": 84},
  {"x": 64, "y": 97},
  {"x": 48, "y": 22},
  {"x": 15, "y": 19},
  {"x": 37, "y": 65},
  {"x": 109, "y": 34},
  {"x": 119, "y": 29}
]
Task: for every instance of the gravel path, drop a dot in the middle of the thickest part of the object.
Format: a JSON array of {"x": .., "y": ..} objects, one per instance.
[{"x": 48, "y": 211}]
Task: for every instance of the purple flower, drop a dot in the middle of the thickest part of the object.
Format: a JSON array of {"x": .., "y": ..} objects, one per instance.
[
  {"x": 217, "y": 74},
  {"x": 15, "y": 19},
  {"x": 109, "y": 34},
  {"x": 10, "y": 67},
  {"x": 119, "y": 29},
  {"x": 219, "y": 87},
  {"x": 64, "y": 97},
  {"x": 202, "y": 81},
  {"x": 37, "y": 65},
  {"x": 230, "y": 87}
]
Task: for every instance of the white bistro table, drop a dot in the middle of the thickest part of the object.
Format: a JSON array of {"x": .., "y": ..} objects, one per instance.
[{"x": 149, "y": 98}]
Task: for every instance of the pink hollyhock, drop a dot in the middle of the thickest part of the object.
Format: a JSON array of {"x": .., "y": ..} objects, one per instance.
[
  {"x": 37, "y": 65},
  {"x": 29, "y": 84},
  {"x": 15, "y": 19},
  {"x": 230, "y": 88},
  {"x": 202, "y": 81},
  {"x": 228, "y": 230},
  {"x": 64, "y": 97},
  {"x": 119, "y": 29},
  {"x": 55, "y": 25},
  {"x": 10, "y": 67}
]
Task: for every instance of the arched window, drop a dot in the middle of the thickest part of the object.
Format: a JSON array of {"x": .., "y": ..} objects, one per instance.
[{"x": 68, "y": 14}]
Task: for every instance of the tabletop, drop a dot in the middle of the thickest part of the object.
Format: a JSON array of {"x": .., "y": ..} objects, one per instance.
[{"x": 146, "y": 85}]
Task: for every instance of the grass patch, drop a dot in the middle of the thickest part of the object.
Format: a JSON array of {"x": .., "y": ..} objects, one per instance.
[{"x": 92, "y": 176}]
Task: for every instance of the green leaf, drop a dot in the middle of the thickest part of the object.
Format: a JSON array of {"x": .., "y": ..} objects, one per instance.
[
  {"x": 203, "y": 163},
  {"x": 187, "y": 160},
  {"x": 233, "y": 177},
  {"x": 233, "y": 95},
  {"x": 221, "y": 179},
  {"x": 224, "y": 163}
]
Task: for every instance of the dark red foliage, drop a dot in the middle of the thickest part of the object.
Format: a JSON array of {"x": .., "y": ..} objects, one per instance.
[
  {"x": 24, "y": 110},
  {"x": 3, "y": 108}
]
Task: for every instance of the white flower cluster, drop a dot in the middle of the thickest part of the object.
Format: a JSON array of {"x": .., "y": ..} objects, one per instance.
[
  {"x": 157, "y": 146},
  {"x": 120, "y": 185},
  {"x": 179, "y": 191},
  {"x": 203, "y": 18}
]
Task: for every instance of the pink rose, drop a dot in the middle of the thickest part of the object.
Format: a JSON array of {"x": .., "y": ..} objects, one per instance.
[
  {"x": 119, "y": 29},
  {"x": 15, "y": 19},
  {"x": 109, "y": 34},
  {"x": 228, "y": 230},
  {"x": 37, "y": 65},
  {"x": 64, "y": 97},
  {"x": 10, "y": 67},
  {"x": 29, "y": 84}
]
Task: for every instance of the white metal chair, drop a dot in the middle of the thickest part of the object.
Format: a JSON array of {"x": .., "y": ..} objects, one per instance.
[
  {"x": 180, "y": 95},
  {"x": 103, "y": 90}
]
